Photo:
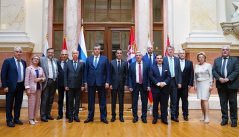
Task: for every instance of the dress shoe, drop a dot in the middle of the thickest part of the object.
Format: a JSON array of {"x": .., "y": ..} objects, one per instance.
[
  {"x": 223, "y": 123},
  {"x": 165, "y": 121},
  {"x": 113, "y": 119},
  {"x": 10, "y": 124},
  {"x": 185, "y": 118},
  {"x": 154, "y": 121},
  {"x": 31, "y": 122},
  {"x": 44, "y": 120},
  {"x": 121, "y": 119},
  {"x": 17, "y": 121},
  {"x": 174, "y": 119},
  {"x": 50, "y": 118},
  {"x": 135, "y": 120},
  {"x": 144, "y": 120},
  {"x": 159, "y": 117},
  {"x": 234, "y": 124},
  {"x": 104, "y": 121},
  {"x": 59, "y": 117},
  {"x": 76, "y": 119},
  {"x": 70, "y": 119},
  {"x": 88, "y": 120}
]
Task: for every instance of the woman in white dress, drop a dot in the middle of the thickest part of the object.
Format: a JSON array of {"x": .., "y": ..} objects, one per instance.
[{"x": 203, "y": 80}]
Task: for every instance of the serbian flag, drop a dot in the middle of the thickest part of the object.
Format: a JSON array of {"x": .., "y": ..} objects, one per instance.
[
  {"x": 64, "y": 46},
  {"x": 150, "y": 97},
  {"x": 45, "y": 47},
  {"x": 168, "y": 44},
  {"x": 82, "y": 46},
  {"x": 132, "y": 47}
]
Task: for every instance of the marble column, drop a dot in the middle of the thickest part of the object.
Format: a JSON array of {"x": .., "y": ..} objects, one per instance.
[
  {"x": 71, "y": 25},
  {"x": 143, "y": 25}
]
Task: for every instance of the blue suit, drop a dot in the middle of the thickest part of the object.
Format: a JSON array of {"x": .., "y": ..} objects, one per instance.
[
  {"x": 159, "y": 94},
  {"x": 96, "y": 79},
  {"x": 147, "y": 59},
  {"x": 173, "y": 85},
  {"x": 9, "y": 77},
  {"x": 139, "y": 87}
]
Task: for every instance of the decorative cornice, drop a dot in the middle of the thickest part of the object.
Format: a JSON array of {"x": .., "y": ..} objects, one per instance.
[{"x": 230, "y": 28}]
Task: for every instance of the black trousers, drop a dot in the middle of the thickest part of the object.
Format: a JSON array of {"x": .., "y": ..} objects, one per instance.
[
  {"x": 47, "y": 98},
  {"x": 102, "y": 101},
  {"x": 183, "y": 94},
  {"x": 74, "y": 95},
  {"x": 61, "y": 91},
  {"x": 120, "y": 93},
  {"x": 163, "y": 98},
  {"x": 156, "y": 99},
  {"x": 228, "y": 95},
  {"x": 173, "y": 89},
  {"x": 16, "y": 96},
  {"x": 144, "y": 98}
]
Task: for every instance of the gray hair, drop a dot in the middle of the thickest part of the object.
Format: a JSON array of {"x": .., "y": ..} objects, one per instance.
[
  {"x": 64, "y": 50},
  {"x": 226, "y": 46},
  {"x": 181, "y": 50},
  {"x": 138, "y": 52},
  {"x": 170, "y": 47},
  {"x": 16, "y": 48},
  {"x": 75, "y": 50},
  {"x": 97, "y": 45}
]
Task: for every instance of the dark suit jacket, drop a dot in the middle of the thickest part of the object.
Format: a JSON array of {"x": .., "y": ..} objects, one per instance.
[
  {"x": 232, "y": 72},
  {"x": 187, "y": 74},
  {"x": 74, "y": 78},
  {"x": 146, "y": 58},
  {"x": 9, "y": 74},
  {"x": 60, "y": 74},
  {"x": 177, "y": 69},
  {"x": 132, "y": 75},
  {"x": 119, "y": 79},
  {"x": 99, "y": 75},
  {"x": 154, "y": 76}
]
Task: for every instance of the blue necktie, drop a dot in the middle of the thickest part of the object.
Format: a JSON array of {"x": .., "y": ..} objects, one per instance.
[
  {"x": 223, "y": 67},
  {"x": 64, "y": 66},
  {"x": 75, "y": 66},
  {"x": 171, "y": 67},
  {"x": 96, "y": 62},
  {"x": 19, "y": 71},
  {"x": 53, "y": 71}
]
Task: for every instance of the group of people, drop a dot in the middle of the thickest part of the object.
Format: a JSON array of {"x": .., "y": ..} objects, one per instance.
[{"x": 165, "y": 77}]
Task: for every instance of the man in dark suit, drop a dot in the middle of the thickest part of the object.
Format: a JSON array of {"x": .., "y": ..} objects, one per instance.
[
  {"x": 74, "y": 83},
  {"x": 176, "y": 79},
  {"x": 97, "y": 76},
  {"x": 187, "y": 82},
  {"x": 12, "y": 76},
  {"x": 150, "y": 58},
  {"x": 49, "y": 66},
  {"x": 226, "y": 70},
  {"x": 119, "y": 82},
  {"x": 160, "y": 77},
  {"x": 139, "y": 82},
  {"x": 61, "y": 64}
]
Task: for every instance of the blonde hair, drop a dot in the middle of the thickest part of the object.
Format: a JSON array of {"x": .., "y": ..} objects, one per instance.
[{"x": 201, "y": 53}]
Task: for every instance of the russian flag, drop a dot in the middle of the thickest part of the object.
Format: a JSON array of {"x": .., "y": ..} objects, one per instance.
[
  {"x": 82, "y": 47},
  {"x": 132, "y": 47},
  {"x": 45, "y": 47}
]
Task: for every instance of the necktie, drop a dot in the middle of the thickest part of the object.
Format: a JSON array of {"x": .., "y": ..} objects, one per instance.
[
  {"x": 223, "y": 67},
  {"x": 171, "y": 67},
  {"x": 53, "y": 71},
  {"x": 150, "y": 58},
  {"x": 19, "y": 71},
  {"x": 118, "y": 66},
  {"x": 96, "y": 62},
  {"x": 160, "y": 71},
  {"x": 64, "y": 65},
  {"x": 74, "y": 65},
  {"x": 140, "y": 74}
]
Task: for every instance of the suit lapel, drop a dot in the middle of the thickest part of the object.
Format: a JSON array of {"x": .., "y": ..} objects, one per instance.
[
  {"x": 14, "y": 64},
  {"x": 91, "y": 62},
  {"x": 99, "y": 62}
]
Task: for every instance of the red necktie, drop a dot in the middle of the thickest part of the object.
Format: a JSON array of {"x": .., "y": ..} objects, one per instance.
[{"x": 140, "y": 74}]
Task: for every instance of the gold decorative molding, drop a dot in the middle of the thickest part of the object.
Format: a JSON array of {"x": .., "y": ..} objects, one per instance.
[
  {"x": 230, "y": 28},
  {"x": 9, "y": 46}
]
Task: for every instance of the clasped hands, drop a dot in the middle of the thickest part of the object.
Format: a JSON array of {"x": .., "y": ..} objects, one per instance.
[{"x": 223, "y": 80}]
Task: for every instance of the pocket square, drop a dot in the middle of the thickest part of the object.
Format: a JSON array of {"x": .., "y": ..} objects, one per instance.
[{"x": 165, "y": 70}]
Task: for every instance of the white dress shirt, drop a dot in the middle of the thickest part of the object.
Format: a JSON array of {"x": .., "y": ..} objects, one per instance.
[
  {"x": 21, "y": 65},
  {"x": 225, "y": 71},
  {"x": 118, "y": 62},
  {"x": 74, "y": 63},
  {"x": 50, "y": 68},
  {"x": 62, "y": 63},
  {"x": 182, "y": 64},
  {"x": 137, "y": 71}
]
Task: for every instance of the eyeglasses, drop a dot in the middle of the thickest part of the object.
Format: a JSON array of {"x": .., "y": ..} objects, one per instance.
[{"x": 35, "y": 58}]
